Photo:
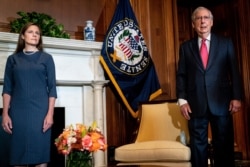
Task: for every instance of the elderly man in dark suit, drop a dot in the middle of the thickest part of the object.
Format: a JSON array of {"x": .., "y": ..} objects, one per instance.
[{"x": 209, "y": 91}]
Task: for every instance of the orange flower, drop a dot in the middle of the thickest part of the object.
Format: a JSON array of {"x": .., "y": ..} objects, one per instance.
[{"x": 95, "y": 136}]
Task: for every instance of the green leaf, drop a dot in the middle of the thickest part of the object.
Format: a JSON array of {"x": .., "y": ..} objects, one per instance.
[
  {"x": 79, "y": 159},
  {"x": 45, "y": 22}
]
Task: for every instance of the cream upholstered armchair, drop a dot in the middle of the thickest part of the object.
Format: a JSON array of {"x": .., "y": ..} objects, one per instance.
[{"x": 158, "y": 141}]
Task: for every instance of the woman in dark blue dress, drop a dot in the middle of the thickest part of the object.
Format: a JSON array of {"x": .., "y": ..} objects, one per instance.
[{"x": 29, "y": 95}]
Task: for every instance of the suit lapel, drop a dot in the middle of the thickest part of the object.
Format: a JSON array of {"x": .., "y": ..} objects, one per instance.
[
  {"x": 196, "y": 52},
  {"x": 212, "y": 49}
]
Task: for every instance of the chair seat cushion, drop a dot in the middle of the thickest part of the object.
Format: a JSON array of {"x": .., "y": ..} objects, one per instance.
[{"x": 151, "y": 151}]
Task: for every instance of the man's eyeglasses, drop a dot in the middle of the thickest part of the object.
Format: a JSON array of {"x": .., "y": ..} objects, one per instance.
[{"x": 202, "y": 17}]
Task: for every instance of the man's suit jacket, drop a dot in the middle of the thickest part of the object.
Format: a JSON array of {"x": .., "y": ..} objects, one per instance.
[{"x": 214, "y": 86}]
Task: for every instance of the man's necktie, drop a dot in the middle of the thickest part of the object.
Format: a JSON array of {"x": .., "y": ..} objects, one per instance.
[{"x": 204, "y": 53}]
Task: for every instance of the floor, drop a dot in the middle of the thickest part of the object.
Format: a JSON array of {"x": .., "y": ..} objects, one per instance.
[
  {"x": 241, "y": 163},
  {"x": 238, "y": 163}
]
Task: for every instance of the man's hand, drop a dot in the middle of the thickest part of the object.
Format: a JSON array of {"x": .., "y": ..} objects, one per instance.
[
  {"x": 234, "y": 106},
  {"x": 185, "y": 111}
]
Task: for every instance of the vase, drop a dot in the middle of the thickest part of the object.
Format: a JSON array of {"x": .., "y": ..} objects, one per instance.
[
  {"x": 79, "y": 159},
  {"x": 89, "y": 31}
]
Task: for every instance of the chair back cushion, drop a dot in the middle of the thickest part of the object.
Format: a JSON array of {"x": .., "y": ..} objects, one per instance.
[{"x": 161, "y": 121}]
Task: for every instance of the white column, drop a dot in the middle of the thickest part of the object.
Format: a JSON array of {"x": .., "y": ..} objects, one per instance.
[{"x": 100, "y": 157}]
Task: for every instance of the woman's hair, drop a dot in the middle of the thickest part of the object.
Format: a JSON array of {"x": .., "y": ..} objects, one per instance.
[
  {"x": 201, "y": 8},
  {"x": 21, "y": 42}
]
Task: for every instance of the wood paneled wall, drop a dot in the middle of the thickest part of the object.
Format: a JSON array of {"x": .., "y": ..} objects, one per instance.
[{"x": 242, "y": 35}]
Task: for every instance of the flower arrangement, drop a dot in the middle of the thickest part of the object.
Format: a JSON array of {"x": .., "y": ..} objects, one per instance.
[{"x": 78, "y": 142}]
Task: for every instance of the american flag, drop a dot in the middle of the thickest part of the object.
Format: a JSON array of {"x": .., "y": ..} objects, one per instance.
[
  {"x": 128, "y": 45},
  {"x": 125, "y": 47}
]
